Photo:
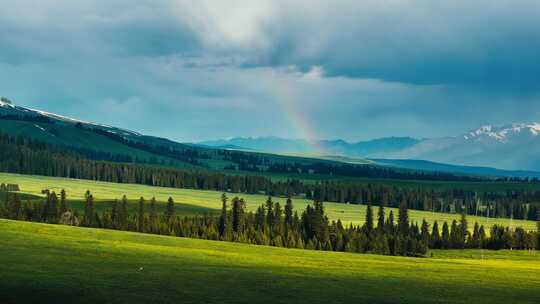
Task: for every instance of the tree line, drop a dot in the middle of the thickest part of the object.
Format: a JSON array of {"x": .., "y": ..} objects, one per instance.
[
  {"x": 27, "y": 156},
  {"x": 276, "y": 225}
]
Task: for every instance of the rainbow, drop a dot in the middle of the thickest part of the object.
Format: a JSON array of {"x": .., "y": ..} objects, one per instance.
[{"x": 286, "y": 99}]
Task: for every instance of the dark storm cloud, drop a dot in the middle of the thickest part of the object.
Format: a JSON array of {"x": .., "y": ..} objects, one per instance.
[
  {"x": 354, "y": 69},
  {"x": 484, "y": 43}
]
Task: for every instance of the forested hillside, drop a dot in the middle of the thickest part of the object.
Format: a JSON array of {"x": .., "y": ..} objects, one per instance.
[{"x": 20, "y": 155}]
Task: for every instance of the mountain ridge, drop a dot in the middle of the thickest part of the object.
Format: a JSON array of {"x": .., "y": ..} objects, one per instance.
[
  {"x": 328, "y": 146},
  {"x": 58, "y": 129},
  {"x": 513, "y": 146}
]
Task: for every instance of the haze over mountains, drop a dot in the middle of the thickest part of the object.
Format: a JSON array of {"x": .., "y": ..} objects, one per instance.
[
  {"x": 511, "y": 147},
  {"x": 514, "y": 147},
  {"x": 333, "y": 147}
]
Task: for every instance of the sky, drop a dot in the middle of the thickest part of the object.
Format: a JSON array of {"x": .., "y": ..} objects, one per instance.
[{"x": 199, "y": 70}]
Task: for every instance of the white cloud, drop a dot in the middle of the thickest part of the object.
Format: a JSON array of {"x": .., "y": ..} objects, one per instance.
[{"x": 228, "y": 24}]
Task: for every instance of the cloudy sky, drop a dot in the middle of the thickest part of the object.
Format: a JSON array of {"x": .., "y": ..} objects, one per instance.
[{"x": 194, "y": 70}]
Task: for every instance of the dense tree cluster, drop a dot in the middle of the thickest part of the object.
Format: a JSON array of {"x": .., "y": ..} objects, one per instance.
[
  {"x": 9, "y": 187},
  {"x": 40, "y": 119},
  {"x": 260, "y": 162},
  {"x": 517, "y": 204},
  {"x": 276, "y": 225},
  {"x": 184, "y": 154},
  {"x": 26, "y": 156}
]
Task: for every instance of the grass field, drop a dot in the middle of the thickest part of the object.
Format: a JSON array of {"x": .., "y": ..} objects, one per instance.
[
  {"x": 197, "y": 201},
  {"x": 43, "y": 263}
]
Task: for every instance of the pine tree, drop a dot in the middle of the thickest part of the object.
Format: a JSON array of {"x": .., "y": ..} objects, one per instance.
[
  {"x": 153, "y": 213},
  {"x": 288, "y": 213},
  {"x": 380, "y": 219},
  {"x": 424, "y": 232},
  {"x": 435, "y": 236},
  {"x": 445, "y": 237},
  {"x": 455, "y": 235},
  {"x": 277, "y": 218},
  {"x": 238, "y": 207},
  {"x": 140, "y": 215},
  {"x": 260, "y": 218},
  {"x": 368, "y": 225},
  {"x": 463, "y": 231},
  {"x": 270, "y": 212},
  {"x": 89, "y": 211},
  {"x": 123, "y": 213},
  {"x": 482, "y": 236},
  {"x": 48, "y": 213},
  {"x": 52, "y": 211},
  {"x": 390, "y": 225},
  {"x": 169, "y": 212},
  {"x": 318, "y": 222},
  {"x": 403, "y": 220},
  {"x": 63, "y": 202},
  {"x": 475, "y": 239},
  {"x": 223, "y": 217},
  {"x": 380, "y": 245},
  {"x": 15, "y": 207}
]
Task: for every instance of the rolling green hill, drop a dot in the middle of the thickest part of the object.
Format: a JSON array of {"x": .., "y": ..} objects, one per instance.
[
  {"x": 69, "y": 135},
  {"x": 92, "y": 137},
  {"x": 199, "y": 201},
  {"x": 52, "y": 263}
]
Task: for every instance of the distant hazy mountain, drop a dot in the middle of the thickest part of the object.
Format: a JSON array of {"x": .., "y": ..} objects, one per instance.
[
  {"x": 371, "y": 148},
  {"x": 514, "y": 146}
]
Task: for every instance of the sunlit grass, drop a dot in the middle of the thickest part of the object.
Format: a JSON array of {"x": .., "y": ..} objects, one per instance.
[
  {"x": 208, "y": 201},
  {"x": 51, "y": 263}
]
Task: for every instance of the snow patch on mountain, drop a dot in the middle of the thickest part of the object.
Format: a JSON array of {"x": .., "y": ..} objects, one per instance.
[
  {"x": 504, "y": 133},
  {"x": 40, "y": 127},
  {"x": 9, "y": 108},
  {"x": 5, "y": 104}
]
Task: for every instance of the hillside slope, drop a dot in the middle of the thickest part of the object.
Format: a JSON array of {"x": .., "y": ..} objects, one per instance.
[
  {"x": 130, "y": 146},
  {"x": 52, "y": 263}
]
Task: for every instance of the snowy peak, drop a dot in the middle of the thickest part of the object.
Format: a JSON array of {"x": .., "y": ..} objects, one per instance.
[
  {"x": 7, "y": 108},
  {"x": 504, "y": 133},
  {"x": 6, "y": 103}
]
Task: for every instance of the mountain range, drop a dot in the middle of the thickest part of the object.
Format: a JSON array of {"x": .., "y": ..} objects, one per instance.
[
  {"x": 513, "y": 146},
  {"x": 510, "y": 147},
  {"x": 328, "y": 147},
  {"x": 475, "y": 152}
]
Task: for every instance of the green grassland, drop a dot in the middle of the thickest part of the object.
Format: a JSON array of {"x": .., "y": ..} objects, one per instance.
[
  {"x": 43, "y": 263},
  {"x": 191, "y": 202}
]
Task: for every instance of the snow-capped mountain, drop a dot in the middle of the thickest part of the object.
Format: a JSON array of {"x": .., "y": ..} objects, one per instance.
[
  {"x": 8, "y": 108},
  {"x": 505, "y": 133},
  {"x": 514, "y": 146}
]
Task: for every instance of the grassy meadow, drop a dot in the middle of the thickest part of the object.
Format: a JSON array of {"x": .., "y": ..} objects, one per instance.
[
  {"x": 51, "y": 263},
  {"x": 190, "y": 202}
]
